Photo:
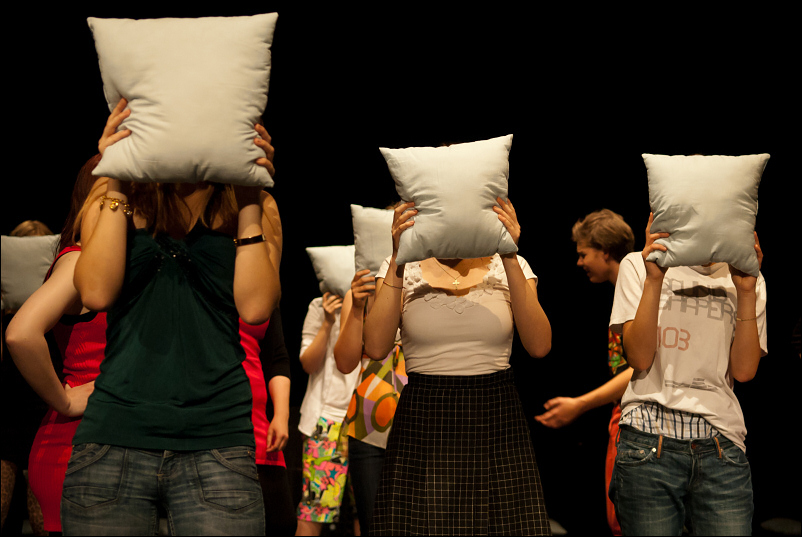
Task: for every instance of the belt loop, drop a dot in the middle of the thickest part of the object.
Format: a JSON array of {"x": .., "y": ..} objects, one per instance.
[
  {"x": 617, "y": 436},
  {"x": 660, "y": 446},
  {"x": 718, "y": 446}
]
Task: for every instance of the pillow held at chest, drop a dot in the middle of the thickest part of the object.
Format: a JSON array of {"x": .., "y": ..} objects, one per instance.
[
  {"x": 195, "y": 87},
  {"x": 454, "y": 189},
  {"x": 708, "y": 204}
]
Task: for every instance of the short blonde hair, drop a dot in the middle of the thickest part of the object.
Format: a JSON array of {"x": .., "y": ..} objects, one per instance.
[{"x": 606, "y": 231}]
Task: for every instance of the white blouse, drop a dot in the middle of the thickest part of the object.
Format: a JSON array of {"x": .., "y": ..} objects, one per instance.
[{"x": 444, "y": 334}]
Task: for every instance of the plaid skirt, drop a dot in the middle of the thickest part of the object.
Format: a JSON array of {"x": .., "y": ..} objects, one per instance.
[{"x": 460, "y": 461}]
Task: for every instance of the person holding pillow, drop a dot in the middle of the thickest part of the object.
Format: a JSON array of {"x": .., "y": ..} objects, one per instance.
[
  {"x": 681, "y": 458},
  {"x": 602, "y": 240},
  {"x": 459, "y": 458},
  {"x": 325, "y": 455},
  {"x": 169, "y": 422},
  {"x": 372, "y": 407}
]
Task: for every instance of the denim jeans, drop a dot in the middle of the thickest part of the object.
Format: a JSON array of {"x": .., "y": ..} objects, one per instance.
[
  {"x": 110, "y": 490},
  {"x": 660, "y": 485},
  {"x": 365, "y": 467}
]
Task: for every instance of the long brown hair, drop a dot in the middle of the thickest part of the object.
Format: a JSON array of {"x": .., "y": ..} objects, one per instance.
[
  {"x": 160, "y": 205},
  {"x": 79, "y": 202}
]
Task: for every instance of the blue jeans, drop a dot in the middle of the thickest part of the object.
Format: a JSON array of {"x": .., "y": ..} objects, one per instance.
[
  {"x": 110, "y": 490},
  {"x": 659, "y": 486},
  {"x": 365, "y": 466}
]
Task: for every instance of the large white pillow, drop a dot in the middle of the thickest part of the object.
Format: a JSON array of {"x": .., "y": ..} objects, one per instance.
[
  {"x": 709, "y": 205},
  {"x": 373, "y": 238},
  {"x": 334, "y": 267},
  {"x": 195, "y": 87},
  {"x": 25, "y": 262},
  {"x": 454, "y": 189}
]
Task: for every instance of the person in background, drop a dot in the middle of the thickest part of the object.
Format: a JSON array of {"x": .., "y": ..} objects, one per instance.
[
  {"x": 688, "y": 333},
  {"x": 373, "y": 403},
  {"x": 328, "y": 392},
  {"x": 20, "y": 425},
  {"x": 602, "y": 240}
]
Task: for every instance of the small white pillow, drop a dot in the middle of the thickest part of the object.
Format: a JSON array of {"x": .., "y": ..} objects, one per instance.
[
  {"x": 709, "y": 205},
  {"x": 373, "y": 237},
  {"x": 195, "y": 87},
  {"x": 25, "y": 262},
  {"x": 334, "y": 267},
  {"x": 454, "y": 189}
]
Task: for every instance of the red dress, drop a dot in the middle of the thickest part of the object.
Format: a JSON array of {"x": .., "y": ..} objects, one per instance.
[
  {"x": 250, "y": 337},
  {"x": 81, "y": 340}
]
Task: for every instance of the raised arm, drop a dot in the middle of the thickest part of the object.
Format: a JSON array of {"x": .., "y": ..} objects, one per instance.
[
  {"x": 745, "y": 352},
  {"x": 313, "y": 353},
  {"x": 26, "y": 341},
  {"x": 531, "y": 321},
  {"x": 384, "y": 317},
  {"x": 349, "y": 346},
  {"x": 640, "y": 334}
]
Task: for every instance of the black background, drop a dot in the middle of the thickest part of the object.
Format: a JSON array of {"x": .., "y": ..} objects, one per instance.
[{"x": 584, "y": 91}]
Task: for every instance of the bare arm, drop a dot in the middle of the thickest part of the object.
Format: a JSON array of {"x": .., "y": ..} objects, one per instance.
[
  {"x": 745, "y": 352},
  {"x": 25, "y": 337},
  {"x": 314, "y": 356},
  {"x": 561, "y": 411},
  {"x": 384, "y": 317},
  {"x": 257, "y": 288},
  {"x": 640, "y": 335},
  {"x": 531, "y": 321},
  {"x": 278, "y": 433},
  {"x": 348, "y": 349}
]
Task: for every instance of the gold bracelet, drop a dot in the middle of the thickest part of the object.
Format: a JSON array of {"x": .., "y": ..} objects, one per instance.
[
  {"x": 393, "y": 286},
  {"x": 250, "y": 240},
  {"x": 114, "y": 203},
  {"x": 752, "y": 319}
]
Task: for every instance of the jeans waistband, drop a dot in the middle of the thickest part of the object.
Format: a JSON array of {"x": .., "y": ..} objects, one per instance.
[{"x": 662, "y": 443}]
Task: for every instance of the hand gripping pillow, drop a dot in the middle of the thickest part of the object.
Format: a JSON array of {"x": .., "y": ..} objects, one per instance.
[
  {"x": 454, "y": 189},
  {"x": 334, "y": 267},
  {"x": 373, "y": 238},
  {"x": 195, "y": 87},
  {"x": 708, "y": 204},
  {"x": 25, "y": 262}
]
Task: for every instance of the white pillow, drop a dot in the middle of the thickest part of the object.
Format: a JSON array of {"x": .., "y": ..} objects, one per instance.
[
  {"x": 334, "y": 267},
  {"x": 454, "y": 189},
  {"x": 709, "y": 205},
  {"x": 195, "y": 87},
  {"x": 25, "y": 262},
  {"x": 373, "y": 237}
]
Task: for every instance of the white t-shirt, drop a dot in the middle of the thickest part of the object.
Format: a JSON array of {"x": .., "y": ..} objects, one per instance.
[
  {"x": 696, "y": 325},
  {"x": 444, "y": 334},
  {"x": 328, "y": 392}
]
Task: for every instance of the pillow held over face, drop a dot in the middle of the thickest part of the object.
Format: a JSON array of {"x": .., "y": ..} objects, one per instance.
[
  {"x": 334, "y": 267},
  {"x": 25, "y": 262},
  {"x": 454, "y": 189},
  {"x": 373, "y": 238},
  {"x": 195, "y": 87},
  {"x": 709, "y": 205}
]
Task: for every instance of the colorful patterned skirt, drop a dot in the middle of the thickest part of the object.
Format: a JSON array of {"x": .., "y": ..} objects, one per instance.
[{"x": 460, "y": 461}]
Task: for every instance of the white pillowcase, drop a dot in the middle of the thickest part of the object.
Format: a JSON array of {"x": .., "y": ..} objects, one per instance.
[
  {"x": 709, "y": 205},
  {"x": 195, "y": 87},
  {"x": 454, "y": 189},
  {"x": 334, "y": 267},
  {"x": 25, "y": 262},
  {"x": 373, "y": 237}
]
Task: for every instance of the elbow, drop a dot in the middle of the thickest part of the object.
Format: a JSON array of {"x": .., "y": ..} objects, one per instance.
[
  {"x": 374, "y": 351},
  {"x": 743, "y": 375},
  {"x": 540, "y": 350},
  {"x": 15, "y": 339},
  {"x": 257, "y": 312}
]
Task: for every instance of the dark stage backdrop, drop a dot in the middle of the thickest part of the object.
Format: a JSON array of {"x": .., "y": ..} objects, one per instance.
[{"x": 583, "y": 92}]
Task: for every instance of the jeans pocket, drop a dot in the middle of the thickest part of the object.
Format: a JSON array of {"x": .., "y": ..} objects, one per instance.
[
  {"x": 94, "y": 475},
  {"x": 634, "y": 454},
  {"x": 733, "y": 455},
  {"x": 228, "y": 478}
]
